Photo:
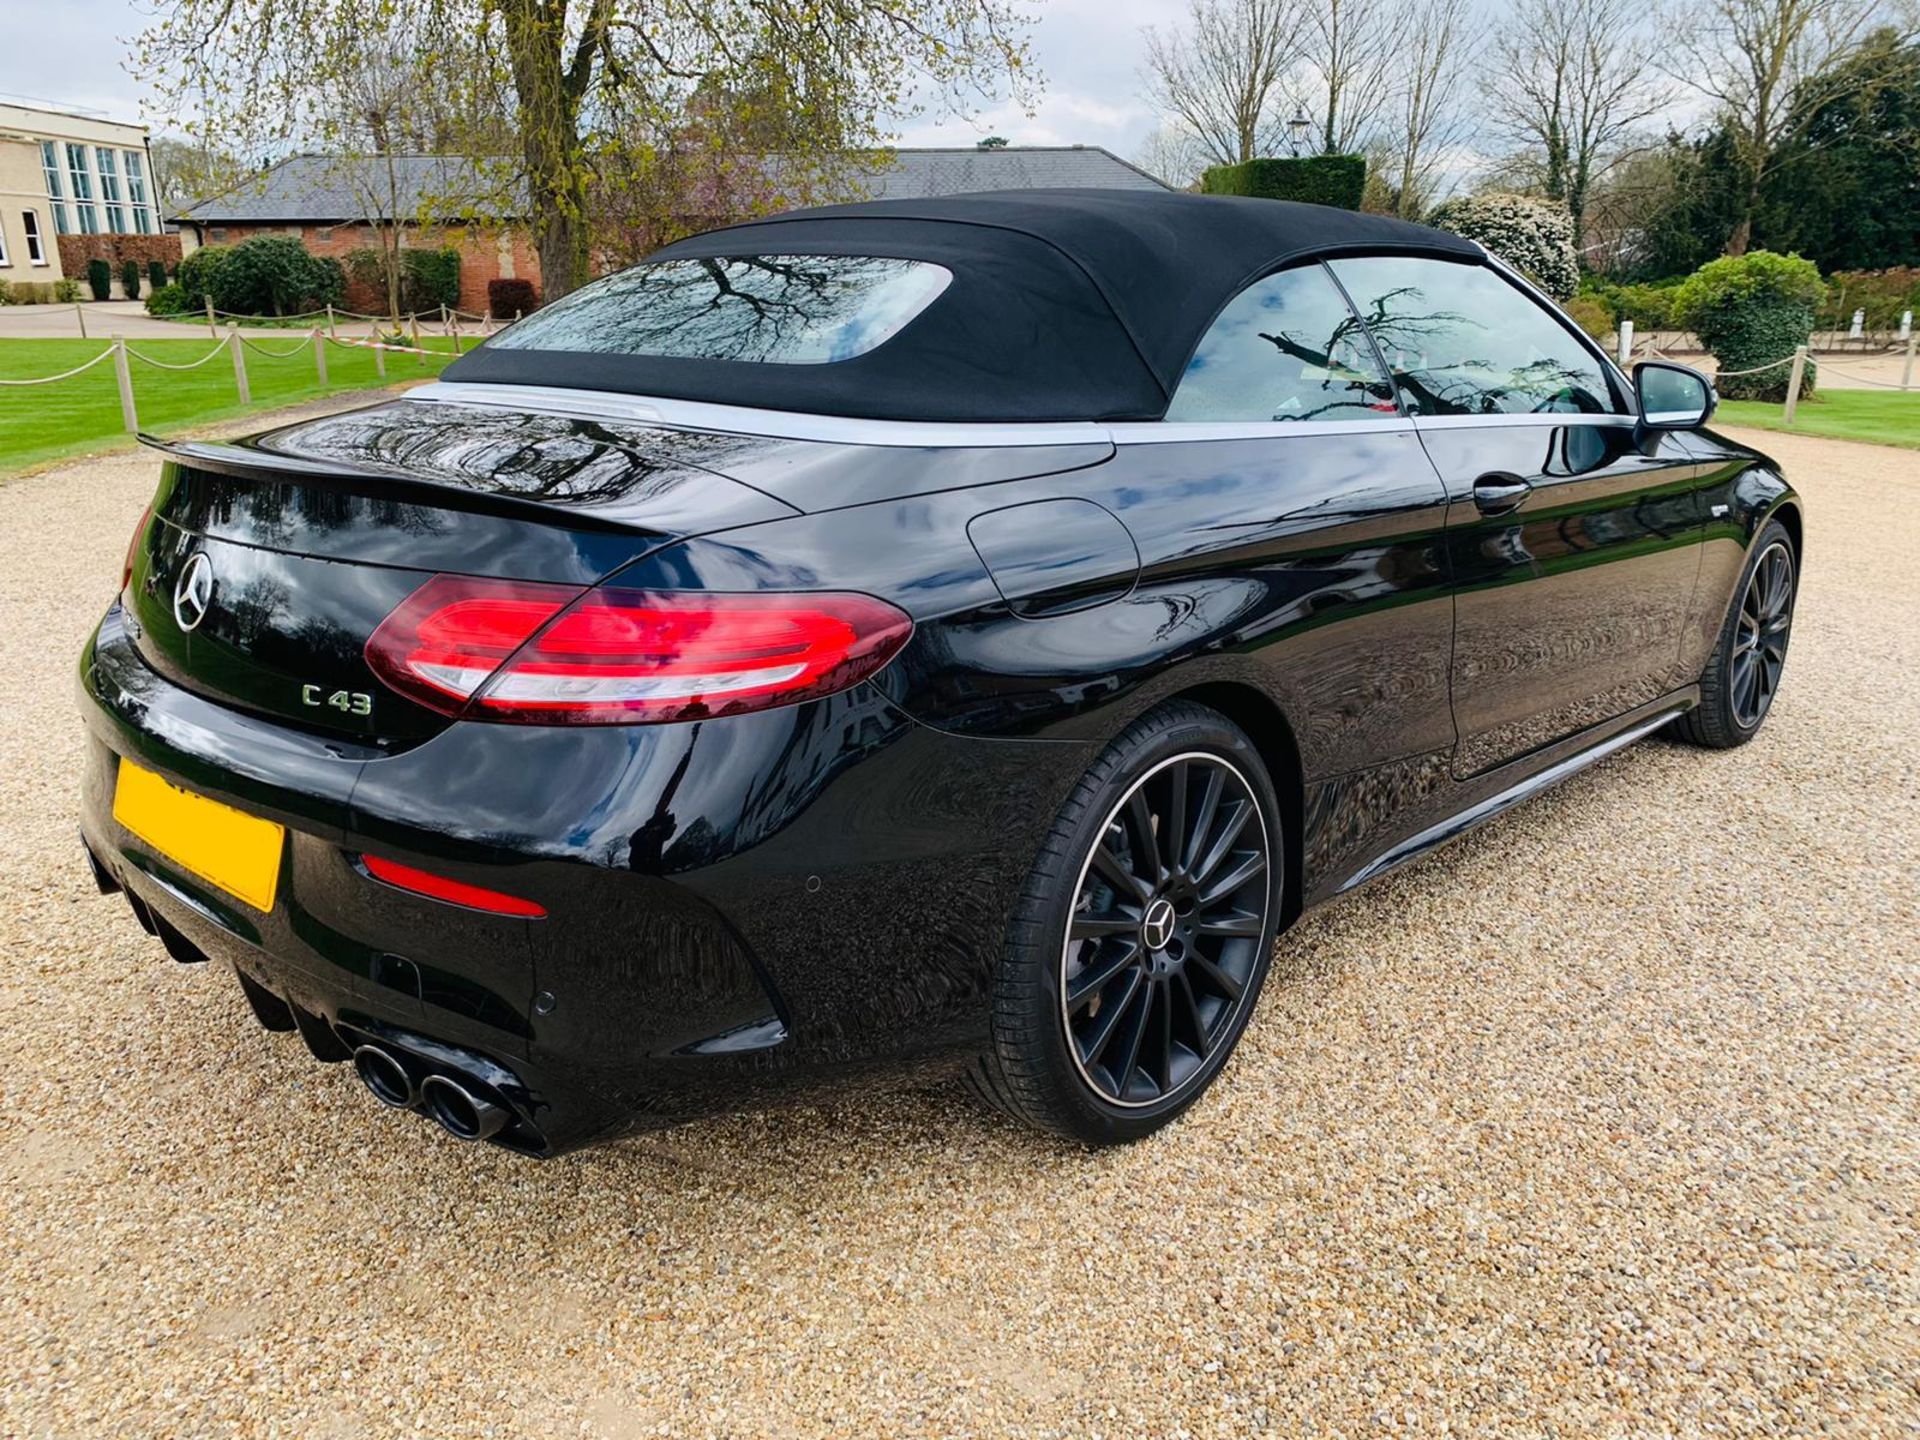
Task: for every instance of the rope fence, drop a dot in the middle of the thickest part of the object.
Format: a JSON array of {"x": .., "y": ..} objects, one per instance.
[
  {"x": 236, "y": 345},
  {"x": 447, "y": 318},
  {"x": 1797, "y": 360}
]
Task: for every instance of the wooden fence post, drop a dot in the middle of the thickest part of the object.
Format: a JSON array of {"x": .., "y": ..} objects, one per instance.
[
  {"x": 239, "y": 365},
  {"x": 320, "y": 357},
  {"x": 379, "y": 359},
  {"x": 453, "y": 329},
  {"x": 1906, "y": 373},
  {"x": 213, "y": 327},
  {"x": 331, "y": 332},
  {"x": 81, "y": 316},
  {"x": 1793, "y": 381},
  {"x": 128, "y": 415},
  {"x": 1626, "y": 342}
]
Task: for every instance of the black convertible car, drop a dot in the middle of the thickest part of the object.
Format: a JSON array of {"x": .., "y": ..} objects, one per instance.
[{"x": 903, "y": 639}]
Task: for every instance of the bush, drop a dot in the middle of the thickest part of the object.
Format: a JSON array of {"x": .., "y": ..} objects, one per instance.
[
  {"x": 66, "y": 292},
  {"x": 1339, "y": 180},
  {"x": 1533, "y": 236},
  {"x": 1883, "y": 294},
  {"x": 156, "y": 274},
  {"x": 1594, "y": 316},
  {"x": 508, "y": 299},
  {"x": 99, "y": 278},
  {"x": 130, "y": 279},
  {"x": 196, "y": 272},
  {"x": 1750, "y": 310},
  {"x": 274, "y": 275},
  {"x": 428, "y": 278},
  {"x": 167, "y": 300}
]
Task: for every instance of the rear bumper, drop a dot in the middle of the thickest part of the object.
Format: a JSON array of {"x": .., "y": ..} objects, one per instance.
[{"x": 738, "y": 911}]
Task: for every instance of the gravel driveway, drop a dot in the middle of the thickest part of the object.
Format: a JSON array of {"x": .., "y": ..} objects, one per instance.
[{"x": 1604, "y": 1121}]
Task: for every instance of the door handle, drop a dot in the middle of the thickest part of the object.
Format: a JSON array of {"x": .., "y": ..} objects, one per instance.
[{"x": 1499, "y": 491}]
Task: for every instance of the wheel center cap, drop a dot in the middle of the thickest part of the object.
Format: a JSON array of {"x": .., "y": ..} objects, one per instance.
[{"x": 1156, "y": 928}]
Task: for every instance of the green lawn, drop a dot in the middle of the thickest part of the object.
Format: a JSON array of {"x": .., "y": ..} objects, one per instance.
[
  {"x": 1880, "y": 417},
  {"x": 70, "y": 417}
]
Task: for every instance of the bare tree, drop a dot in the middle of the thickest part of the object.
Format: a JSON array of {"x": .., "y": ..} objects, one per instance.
[
  {"x": 1759, "y": 62},
  {"x": 1218, "y": 78},
  {"x": 1171, "y": 155},
  {"x": 1574, "y": 79},
  {"x": 1438, "y": 42},
  {"x": 1352, "y": 46}
]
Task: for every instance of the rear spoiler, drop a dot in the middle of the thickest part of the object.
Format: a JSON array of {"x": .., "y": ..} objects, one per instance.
[{"x": 244, "y": 462}]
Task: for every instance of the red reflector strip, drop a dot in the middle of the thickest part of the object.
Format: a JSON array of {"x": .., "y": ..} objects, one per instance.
[{"x": 454, "y": 892}]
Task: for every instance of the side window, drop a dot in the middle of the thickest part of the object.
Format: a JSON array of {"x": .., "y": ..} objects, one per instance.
[
  {"x": 1460, "y": 340},
  {"x": 1285, "y": 348}
]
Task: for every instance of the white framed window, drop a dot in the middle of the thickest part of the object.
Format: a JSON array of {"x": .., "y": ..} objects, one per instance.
[
  {"x": 36, "y": 247},
  {"x": 137, "y": 201},
  {"x": 6, "y": 260},
  {"x": 82, "y": 180},
  {"x": 109, "y": 168},
  {"x": 56, "y": 188}
]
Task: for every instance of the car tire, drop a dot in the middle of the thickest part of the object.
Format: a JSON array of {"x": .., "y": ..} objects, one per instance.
[
  {"x": 1183, "y": 956},
  {"x": 1743, "y": 673}
]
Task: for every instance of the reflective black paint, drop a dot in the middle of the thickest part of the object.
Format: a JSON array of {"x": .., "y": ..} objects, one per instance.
[{"x": 747, "y": 909}]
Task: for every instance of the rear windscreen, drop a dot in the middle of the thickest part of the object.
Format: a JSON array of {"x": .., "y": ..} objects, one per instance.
[{"x": 770, "y": 309}]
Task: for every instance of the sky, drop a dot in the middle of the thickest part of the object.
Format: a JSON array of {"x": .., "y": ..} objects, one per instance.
[{"x": 1088, "y": 50}]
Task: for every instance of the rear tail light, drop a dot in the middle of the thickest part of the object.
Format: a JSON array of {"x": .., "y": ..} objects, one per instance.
[
  {"x": 133, "y": 548},
  {"x": 556, "y": 655}
]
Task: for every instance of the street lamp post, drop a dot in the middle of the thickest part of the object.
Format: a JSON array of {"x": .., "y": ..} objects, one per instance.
[{"x": 1297, "y": 129}]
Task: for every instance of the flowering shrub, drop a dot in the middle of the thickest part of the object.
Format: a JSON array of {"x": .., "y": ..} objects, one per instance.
[{"x": 1533, "y": 236}]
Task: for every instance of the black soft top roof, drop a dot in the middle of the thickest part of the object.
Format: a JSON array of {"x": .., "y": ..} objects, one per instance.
[{"x": 1065, "y": 304}]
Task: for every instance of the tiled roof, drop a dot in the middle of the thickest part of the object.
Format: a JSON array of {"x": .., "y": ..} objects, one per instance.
[{"x": 319, "y": 189}]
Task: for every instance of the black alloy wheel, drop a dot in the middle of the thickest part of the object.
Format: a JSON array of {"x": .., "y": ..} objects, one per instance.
[
  {"x": 1742, "y": 676},
  {"x": 1136, "y": 954},
  {"x": 1760, "y": 636},
  {"x": 1165, "y": 930}
]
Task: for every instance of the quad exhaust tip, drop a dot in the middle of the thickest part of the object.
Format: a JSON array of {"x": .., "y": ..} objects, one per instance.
[
  {"x": 459, "y": 1111},
  {"x": 382, "y": 1073}
]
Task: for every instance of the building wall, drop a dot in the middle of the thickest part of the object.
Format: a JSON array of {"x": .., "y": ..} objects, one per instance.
[
  {"x": 22, "y": 190},
  {"x": 120, "y": 185},
  {"x": 486, "y": 253}
]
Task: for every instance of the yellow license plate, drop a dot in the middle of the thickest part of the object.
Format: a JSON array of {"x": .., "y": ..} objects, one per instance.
[{"x": 237, "y": 852}]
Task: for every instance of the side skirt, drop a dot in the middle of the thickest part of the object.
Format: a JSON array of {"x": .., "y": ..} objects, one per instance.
[{"x": 1523, "y": 788}]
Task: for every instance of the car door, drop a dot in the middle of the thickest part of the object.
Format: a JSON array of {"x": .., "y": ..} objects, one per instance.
[{"x": 1573, "y": 535}]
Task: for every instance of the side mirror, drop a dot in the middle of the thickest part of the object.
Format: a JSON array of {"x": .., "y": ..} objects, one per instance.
[{"x": 1672, "y": 397}]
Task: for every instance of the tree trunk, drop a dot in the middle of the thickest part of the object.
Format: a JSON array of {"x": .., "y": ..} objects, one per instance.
[{"x": 550, "y": 137}]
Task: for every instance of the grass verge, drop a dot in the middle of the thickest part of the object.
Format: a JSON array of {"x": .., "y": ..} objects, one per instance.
[
  {"x": 79, "y": 415},
  {"x": 1877, "y": 417}
]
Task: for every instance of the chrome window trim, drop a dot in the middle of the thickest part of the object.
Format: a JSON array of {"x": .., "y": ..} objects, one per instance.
[
  {"x": 1557, "y": 420},
  {"x": 1168, "y": 432},
  {"x": 777, "y": 424}
]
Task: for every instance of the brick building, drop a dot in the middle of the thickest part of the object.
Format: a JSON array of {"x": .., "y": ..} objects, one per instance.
[
  {"x": 335, "y": 205},
  {"x": 331, "y": 204}
]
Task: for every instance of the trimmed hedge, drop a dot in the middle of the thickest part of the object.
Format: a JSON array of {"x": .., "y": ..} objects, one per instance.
[
  {"x": 274, "y": 275},
  {"x": 1338, "y": 180},
  {"x": 1752, "y": 310},
  {"x": 167, "y": 300},
  {"x": 196, "y": 272},
  {"x": 100, "y": 278},
  {"x": 507, "y": 299},
  {"x": 156, "y": 274},
  {"x": 130, "y": 278}
]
